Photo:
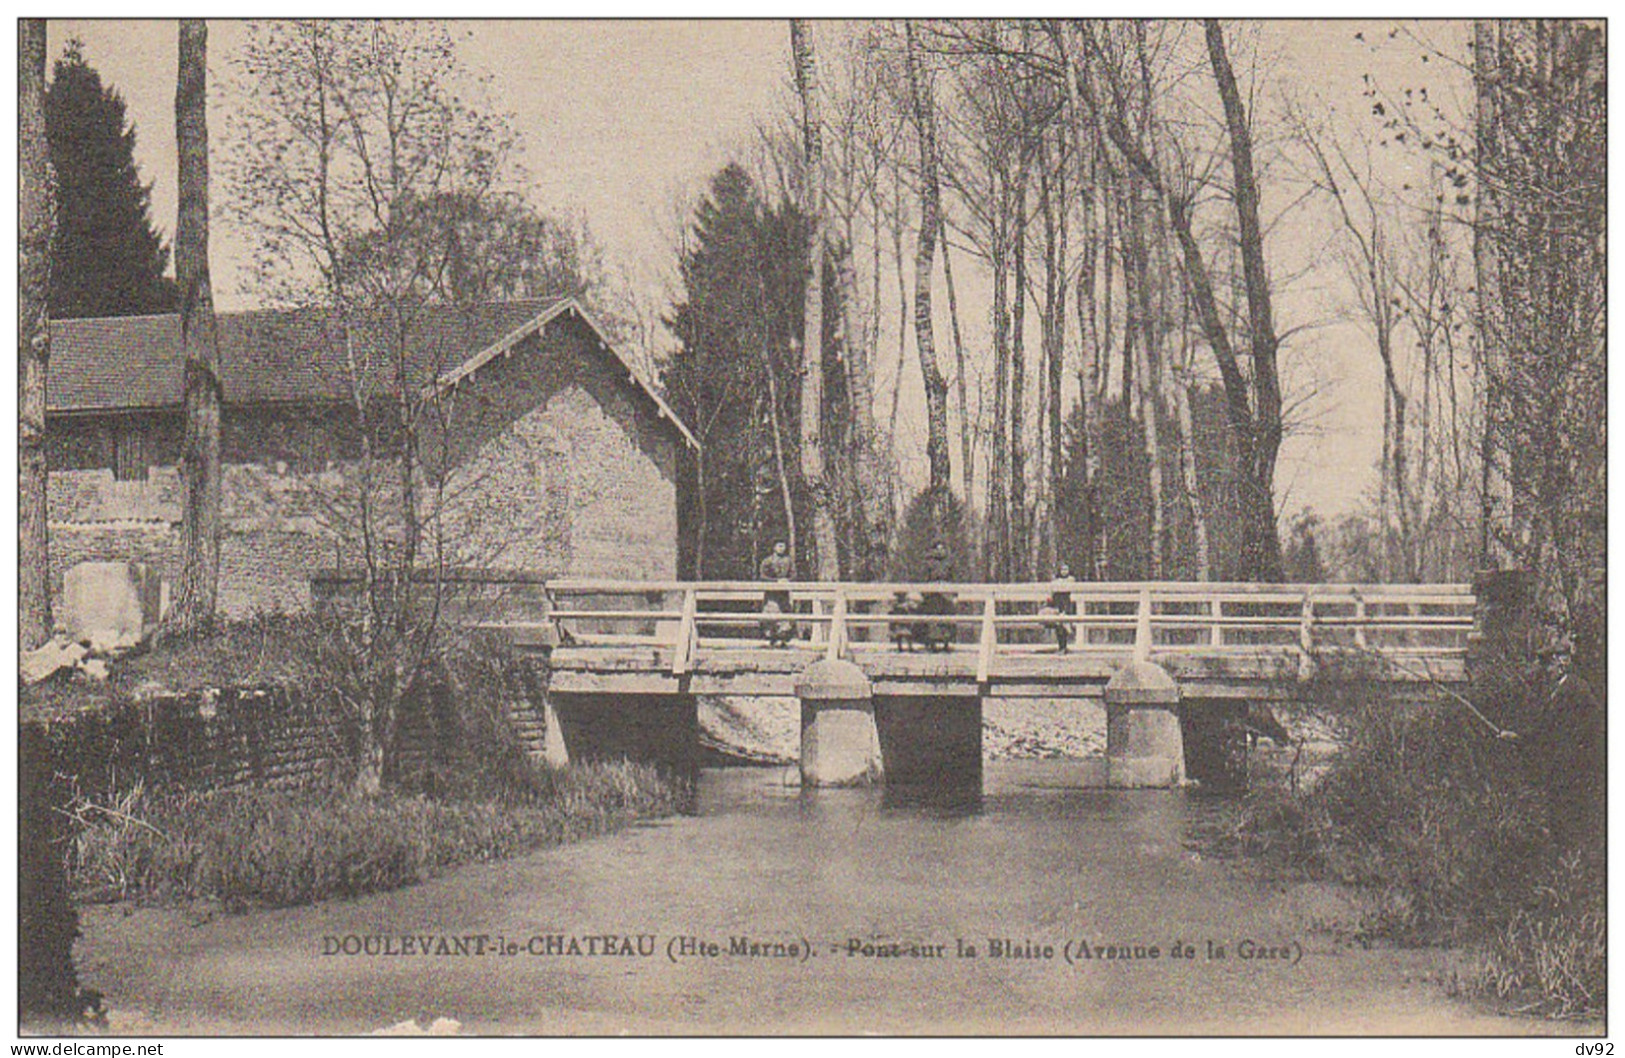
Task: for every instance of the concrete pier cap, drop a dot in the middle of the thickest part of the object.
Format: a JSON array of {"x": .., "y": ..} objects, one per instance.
[
  {"x": 840, "y": 745},
  {"x": 1144, "y": 747}
]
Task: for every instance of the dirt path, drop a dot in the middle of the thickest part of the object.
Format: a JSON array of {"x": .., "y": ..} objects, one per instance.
[{"x": 1039, "y": 865}]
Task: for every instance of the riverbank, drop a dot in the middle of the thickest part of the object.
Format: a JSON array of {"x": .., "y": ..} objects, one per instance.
[{"x": 248, "y": 847}]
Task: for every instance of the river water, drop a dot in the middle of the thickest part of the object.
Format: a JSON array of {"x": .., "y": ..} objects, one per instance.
[{"x": 863, "y": 907}]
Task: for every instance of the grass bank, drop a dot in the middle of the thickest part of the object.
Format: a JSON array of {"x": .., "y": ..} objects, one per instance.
[
  {"x": 249, "y": 847},
  {"x": 1447, "y": 831}
]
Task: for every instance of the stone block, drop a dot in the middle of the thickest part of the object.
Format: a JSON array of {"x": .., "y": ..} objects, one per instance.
[
  {"x": 110, "y": 604},
  {"x": 52, "y": 657}
]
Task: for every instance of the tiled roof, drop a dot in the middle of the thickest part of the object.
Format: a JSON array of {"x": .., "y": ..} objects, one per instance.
[{"x": 268, "y": 355}]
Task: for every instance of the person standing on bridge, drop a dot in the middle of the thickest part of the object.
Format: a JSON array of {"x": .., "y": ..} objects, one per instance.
[
  {"x": 1060, "y": 605},
  {"x": 777, "y": 567},
  {"x": 939, "y": 569}
]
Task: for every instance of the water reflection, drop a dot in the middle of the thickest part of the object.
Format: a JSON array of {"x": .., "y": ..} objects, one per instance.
[
  {"x": 1054, "y": 803},
  {"x": 934, "y": 800}
]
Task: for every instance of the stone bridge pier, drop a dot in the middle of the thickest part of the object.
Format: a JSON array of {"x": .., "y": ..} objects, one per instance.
[
  {"x": 1144, "y": 745},
  {"x": 851, "y": 736}
]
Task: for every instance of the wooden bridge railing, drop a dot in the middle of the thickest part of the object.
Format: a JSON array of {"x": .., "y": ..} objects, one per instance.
[{"x": 690, "y": 618}]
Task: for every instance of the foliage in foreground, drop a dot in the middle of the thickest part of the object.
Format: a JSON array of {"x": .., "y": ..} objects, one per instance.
[
  {"x": 1551, "y": 958},
  {"x": 247, "y": 848},
  {"x": 1442, "y": 827}
]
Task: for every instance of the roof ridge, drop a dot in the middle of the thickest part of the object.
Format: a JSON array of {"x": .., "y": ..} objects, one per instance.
[{"x": 294, "y": 309}]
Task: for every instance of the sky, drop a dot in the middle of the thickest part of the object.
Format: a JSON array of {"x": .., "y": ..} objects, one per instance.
[{"x": 623, "y": 123}]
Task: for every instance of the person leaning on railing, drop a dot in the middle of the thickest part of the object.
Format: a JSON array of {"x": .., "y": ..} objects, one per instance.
[{"x": 777, "y": 567}]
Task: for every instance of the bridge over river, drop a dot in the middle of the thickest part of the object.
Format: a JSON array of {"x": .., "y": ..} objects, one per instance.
[{"x": 891, "y": 676}]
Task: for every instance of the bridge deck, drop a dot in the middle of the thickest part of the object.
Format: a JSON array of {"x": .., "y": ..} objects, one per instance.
[
  {"x": 1217, "y": 640},
  {"x": 1202, "y": 675}
]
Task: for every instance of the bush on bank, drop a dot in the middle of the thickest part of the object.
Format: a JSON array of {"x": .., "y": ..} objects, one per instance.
[
  {"x": 1449, "y": 831},
  {"x": 250, "y": 847}
]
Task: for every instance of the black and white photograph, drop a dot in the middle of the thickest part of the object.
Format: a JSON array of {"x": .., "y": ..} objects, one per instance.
[{"x": 786, "y": 527}]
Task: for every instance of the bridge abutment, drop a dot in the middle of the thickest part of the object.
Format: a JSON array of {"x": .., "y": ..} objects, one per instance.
[
  {"x": 660, "y": 729},
  {"x": 840, "y": 744},
  {"x": 1144, "y": 745},
  {"x": 1215, "y": 743}
]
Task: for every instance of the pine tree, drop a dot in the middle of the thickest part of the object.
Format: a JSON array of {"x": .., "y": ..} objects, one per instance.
[
  {"x": 737, "y": 378},
  {"x": 106, "y": 259}
]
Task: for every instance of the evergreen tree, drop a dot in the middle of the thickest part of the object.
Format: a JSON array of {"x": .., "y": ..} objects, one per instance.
[
  {"x": 737, "y": 379},
  {"x": 106, "y": 258}
]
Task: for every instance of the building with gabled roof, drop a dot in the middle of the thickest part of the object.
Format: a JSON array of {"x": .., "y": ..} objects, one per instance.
[{"x": 548, "y": 452}]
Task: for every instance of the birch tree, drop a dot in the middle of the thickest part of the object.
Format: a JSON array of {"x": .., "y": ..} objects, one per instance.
[
  {"x": 936, "y": 386},
  {"x": 812, "y": 341}
]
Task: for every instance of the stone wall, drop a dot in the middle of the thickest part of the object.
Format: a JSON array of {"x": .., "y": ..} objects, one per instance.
[
  {"x": 276, "y": 530},
  {"x": 561, "y": 465},
  {"x": 236, "y": 736}
]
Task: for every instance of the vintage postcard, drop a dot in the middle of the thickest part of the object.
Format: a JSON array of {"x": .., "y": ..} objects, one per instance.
[{"x": 989, "y": 527}]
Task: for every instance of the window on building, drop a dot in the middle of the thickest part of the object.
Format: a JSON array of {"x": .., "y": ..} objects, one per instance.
[{"x": 131, "y": 454}]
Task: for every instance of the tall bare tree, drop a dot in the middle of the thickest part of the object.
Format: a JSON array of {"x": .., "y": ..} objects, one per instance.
[
  {"x": 855, "y": 134},
  {"x": 200, "y": 459},
  {"x": 1056, "y": 214},
  {"x": 347, "y": 126},
  {"x": 812, "y": 343},
  {"x": 1373, "y": 273},
  {"x": 1252, "y": 399},
  {"x": 936, "y": 386},
  {"x": 1074, "y": 70},
  {"x": 36, "y": 213}
]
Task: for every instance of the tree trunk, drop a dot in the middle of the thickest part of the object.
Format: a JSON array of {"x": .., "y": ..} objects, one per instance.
[
  {"x": 966, "y": 454},
  {"x": 1018, "y": 381},
  {"x": 1085, "y": 146},
  {"x": 1495, "y": 515},
  {"x": 902, "y": 330},
  {"x": 864, "y": 455},
  {"x": 828, "y": 564},
  {"x": 780, "y": 464},
  {"x": 1100, "y": 365},
  {"x": 36, "y": 222},
  {"x": 1262, "y": 549},
  {"x": 1146, "y": 384},
  {"x": 997, "y": 552},
  {"x": 1180, "y": 386},
  {"x": 1145, "y": 238},
  {"x": 200, "y": 459},
  {"x": 1055, "y": 283},
  {"x": 936, "y": 387}
]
